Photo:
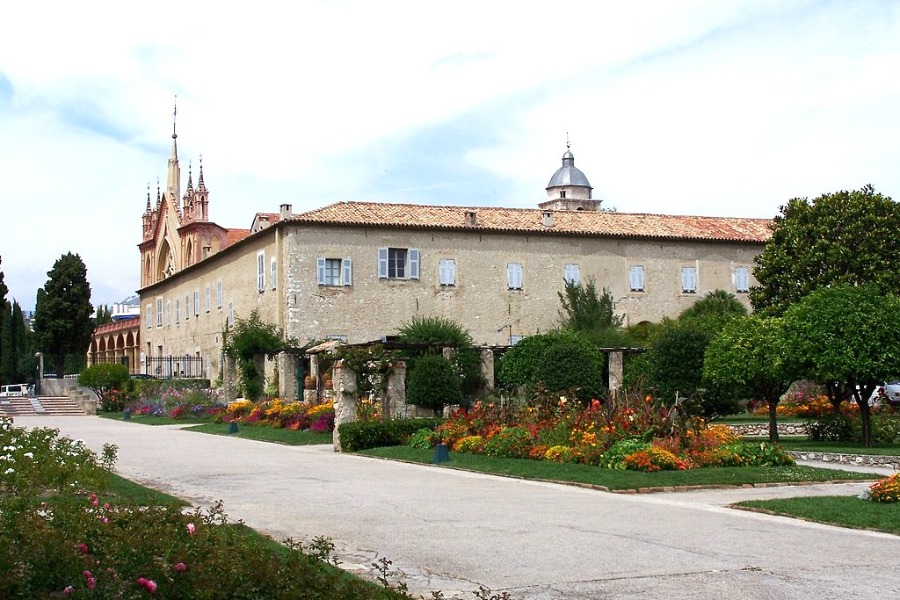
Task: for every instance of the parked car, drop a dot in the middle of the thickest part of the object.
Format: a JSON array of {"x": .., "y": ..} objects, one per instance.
[
  {"x": 15, "y": 389},
  {"x": 889, "y": 394}
]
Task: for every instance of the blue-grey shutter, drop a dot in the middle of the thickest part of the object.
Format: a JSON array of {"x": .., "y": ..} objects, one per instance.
[
  {"x": 320, "y": 271},
  {"x": 382, "y": 263},
  {"x": 413, "y": 255},
  {"x": 572, "y": 274},
  {"x": 637, "y": 278},
  {"x": 347, "y": 267}
]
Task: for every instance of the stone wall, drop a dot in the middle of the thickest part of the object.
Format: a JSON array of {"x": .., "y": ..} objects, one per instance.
[
  {"x": 850, "y": 459},
  {"x": 762, "y": 429}
]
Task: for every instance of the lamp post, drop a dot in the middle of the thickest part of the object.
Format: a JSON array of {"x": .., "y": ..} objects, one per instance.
[{"x": 40, "y": 374}]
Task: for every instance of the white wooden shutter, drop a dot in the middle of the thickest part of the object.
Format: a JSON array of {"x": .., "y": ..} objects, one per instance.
[
  {"x": 636, "y": 277},
  {"x": 320, "y": 271},
  {"x": 347, "y": 268},
  {"x": 382, "y": 263},
  {"x": 261, "y": 271},
  {"x": 742, "y": 279},
  {"x": 413, "y": 256},
  {"x": 514, "y": 276},
  {"x": 688, "y": 279},
  {"x": 572, "y": 274}
]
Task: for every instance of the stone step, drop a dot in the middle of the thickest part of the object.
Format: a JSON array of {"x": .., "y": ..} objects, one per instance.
[{"x": 45, "y": 405}]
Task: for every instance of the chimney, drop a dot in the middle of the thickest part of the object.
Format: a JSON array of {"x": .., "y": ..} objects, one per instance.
[
  {"x": 286, "y": 211},
  {"x": 547, "y": 218},
  {"x": 471, "y": 218}
]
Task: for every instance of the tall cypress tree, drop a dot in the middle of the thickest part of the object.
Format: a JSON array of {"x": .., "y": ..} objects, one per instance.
[
  {"x": 15, "y": 359},
  {"x": 62, "y": 317},
  {"x": 4, "y": 314}
]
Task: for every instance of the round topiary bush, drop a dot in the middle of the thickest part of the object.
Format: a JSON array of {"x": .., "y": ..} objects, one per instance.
[
  {"x": 560, "y": 360},
  {"x": 569, "y": 365},
  {"x": 433, "y": 383}
]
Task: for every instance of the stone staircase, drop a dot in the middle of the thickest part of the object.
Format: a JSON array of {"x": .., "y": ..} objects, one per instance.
[{"x": 43, "y": 405}]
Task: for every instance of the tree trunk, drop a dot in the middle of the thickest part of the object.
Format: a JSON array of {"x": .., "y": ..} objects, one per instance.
[
  {"x": 773, "y": 421},
  {"x": 865, "y": 414}
]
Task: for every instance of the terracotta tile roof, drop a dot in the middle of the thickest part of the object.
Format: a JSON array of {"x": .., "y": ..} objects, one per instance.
[
  {"x": 270, "y": 217},
  {"x": 525, "y": 220},
  {"x": 236, "y": 235}
]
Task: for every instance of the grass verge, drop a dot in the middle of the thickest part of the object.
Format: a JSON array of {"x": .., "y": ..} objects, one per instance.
[
  {"x": 125, "y": 491},
  {"x": 620, "y": 480},
  {"x": 843, "y": 511},
  {"x": 266, "y": 434},
  {"x": 805, "y": 445}
]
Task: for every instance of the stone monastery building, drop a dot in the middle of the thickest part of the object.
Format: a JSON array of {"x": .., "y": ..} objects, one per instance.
[{"x": 356, "y": 271}]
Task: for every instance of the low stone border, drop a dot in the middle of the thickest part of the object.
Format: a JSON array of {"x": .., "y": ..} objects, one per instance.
[
  {"x": 872, "y": 460},
  {"x": 762, "y": 429}
]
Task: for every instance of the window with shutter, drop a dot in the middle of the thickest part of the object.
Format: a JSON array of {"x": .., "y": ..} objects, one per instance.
[
  {"x": 636, "y": 278},
  {"x": 689, "y": 280},
  {"x": 260, "y": 271},
  {"x": 742, "y": 279},
  {"x": 273, "y": 274},
  {"x": 447, "y": 272},
  {"x": 572, "y": 274},
  {"x": 514, "y": 276}
]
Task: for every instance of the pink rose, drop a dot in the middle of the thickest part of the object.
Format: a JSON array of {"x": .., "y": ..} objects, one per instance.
[
  {"x": 180, "y": 567},
  {"x": 69, "y": 590},
  {"x": 151, "y": 586},
  {"x": 191, "y": 528},
  {"x": 83, "y": 548}
]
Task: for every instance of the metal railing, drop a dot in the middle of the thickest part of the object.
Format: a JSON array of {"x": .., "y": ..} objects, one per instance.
[{"x": 174, "y": 367}]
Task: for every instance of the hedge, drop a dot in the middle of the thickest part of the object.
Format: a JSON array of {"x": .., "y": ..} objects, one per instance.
[{"x": 374, "y": 434}]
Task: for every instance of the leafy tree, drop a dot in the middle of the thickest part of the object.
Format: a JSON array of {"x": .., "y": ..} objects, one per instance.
[
  {"x": 62, "y": 318},
  {"x": 250, "y": 340},
  {"x": 433, "y": 383},
  {"x": 845, "y": 337},
  {"x": 674, "y": 367},
  {"x": 439, "y": 332},
  {"x": 585, "y": 311},
  {"x": 713, "y": 311},
  {"x": 104, "y": 378},
  {"x": 104, "y": 315},
  {"x": 747, "y": 359},
  {"x": 840, "y": 238}
]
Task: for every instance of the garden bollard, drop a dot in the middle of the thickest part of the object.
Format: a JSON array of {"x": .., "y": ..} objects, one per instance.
[
  {"x": 441, "y": 454},
  {"x": 232, "y": 427}
]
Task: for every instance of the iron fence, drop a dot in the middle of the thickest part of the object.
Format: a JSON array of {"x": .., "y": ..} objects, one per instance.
[{"x": 174, "y": 367}]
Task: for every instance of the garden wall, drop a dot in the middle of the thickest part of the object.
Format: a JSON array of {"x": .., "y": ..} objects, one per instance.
[{"x": 762, "y": 429}]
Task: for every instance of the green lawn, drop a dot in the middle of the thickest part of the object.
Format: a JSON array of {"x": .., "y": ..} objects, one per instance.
[
  {"x": 152, "y": 420},
  {"x": 266, "y": 434},
  {"x": 843, "y": 511},
  {"x": 125, "y": 491},
  {"x": 619, "y": 480},
  {"x": 802, "y": 444}
]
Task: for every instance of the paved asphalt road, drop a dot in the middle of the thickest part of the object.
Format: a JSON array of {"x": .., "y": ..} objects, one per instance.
[{"x": 451, "y": 530}]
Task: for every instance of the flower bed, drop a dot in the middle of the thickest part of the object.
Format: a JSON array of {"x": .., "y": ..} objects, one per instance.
[
  {"x": 279, "y": 414},
  {"x": 637, "y": 433}
]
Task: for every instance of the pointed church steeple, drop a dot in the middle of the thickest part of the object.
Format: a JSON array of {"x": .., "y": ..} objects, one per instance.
[
  {"x": 200, "y": 184},
  {"x": 173, "y": 175}
]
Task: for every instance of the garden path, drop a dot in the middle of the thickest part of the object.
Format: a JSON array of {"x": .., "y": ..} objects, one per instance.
[{"x": 452, "y": 530}]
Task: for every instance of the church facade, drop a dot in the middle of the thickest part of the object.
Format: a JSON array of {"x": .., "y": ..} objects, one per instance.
[{"x": 357, "y": 271}]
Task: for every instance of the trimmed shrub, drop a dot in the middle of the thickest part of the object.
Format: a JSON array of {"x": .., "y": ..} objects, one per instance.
[
  {"x": 375, "y": 434},
  {"x": 525, "y": 363},
  {"x": 572, "y": 365},
  {"x": 433, "y": 383},
  {"x": 830, "y": 428}
]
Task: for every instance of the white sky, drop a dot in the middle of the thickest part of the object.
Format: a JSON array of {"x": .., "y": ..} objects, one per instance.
[{"x": 697, "y": 107}]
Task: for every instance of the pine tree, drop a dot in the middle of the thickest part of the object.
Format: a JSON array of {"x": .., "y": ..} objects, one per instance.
[
  {"x": 62, "y": 319},
  {"x": 4, "y": 314}
]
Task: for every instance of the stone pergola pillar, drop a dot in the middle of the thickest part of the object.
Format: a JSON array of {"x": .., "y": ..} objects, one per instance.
[
  {"x": 395, "y": 394},
  {"x": 487, "y": 369},
  {"x": 288, "y": 386},
  {"x": 344, "y": 381},
  {"x": 616, "y": 363}
]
